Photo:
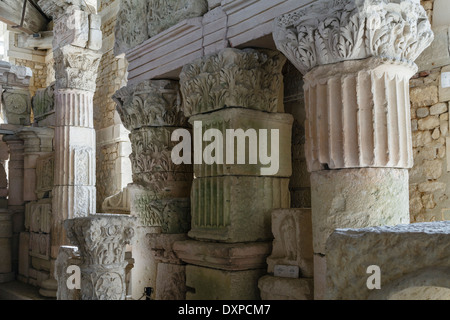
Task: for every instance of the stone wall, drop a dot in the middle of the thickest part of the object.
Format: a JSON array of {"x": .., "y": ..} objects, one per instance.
[
  {"x": 39, "y": 69},
  {"x": 429, "y": 187}
]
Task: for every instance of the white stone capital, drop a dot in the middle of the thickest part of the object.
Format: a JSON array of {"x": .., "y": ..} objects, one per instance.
[{"x": 327, "y": 32}]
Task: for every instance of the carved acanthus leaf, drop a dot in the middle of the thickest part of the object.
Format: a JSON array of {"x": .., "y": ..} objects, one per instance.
[
  {"x": 333, "y": 31},
  {"x": 151, "y": 103}
]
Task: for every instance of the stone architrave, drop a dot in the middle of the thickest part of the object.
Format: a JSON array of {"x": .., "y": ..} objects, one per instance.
[
  {"x": 357, "y": 57},
  {"x": 102, "y": 240}
]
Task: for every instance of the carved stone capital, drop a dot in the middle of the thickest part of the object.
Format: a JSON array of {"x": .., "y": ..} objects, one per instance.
[
  {"x": 246, "y": 78},
  {"x": 76, "y": 68},
  {"x": 37, "y": 139},
  {"x": 151, "y": 103},
  {"x": 14, "y": 76},
  {"x": 328, "y": 32},
  {"x": 102, "y": 240}
]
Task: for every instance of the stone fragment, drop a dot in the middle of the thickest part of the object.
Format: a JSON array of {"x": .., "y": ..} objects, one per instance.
[
  {"x": 214, "y": 284},
  {"x": 292, "y": 246},
  {"x": 276, "y": 288},
  {"x": 357, "y": 198},
  {"x": 424, "y": 96},
  {"x": 439, "y": 108},
  {"x": 224, "y": 256},
  {"x": 430, "y": 269},
  {"x": 422, "y": 112},
  {"x": 218, "y": 212}
]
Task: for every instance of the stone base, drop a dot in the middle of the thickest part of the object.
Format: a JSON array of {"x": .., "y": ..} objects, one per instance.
[
  {"x": 357, "y": 198},
  {"x": 224, "y": 256},
  {"x": 48, "y": 288},
  {"x": 212, "y": 284},
  {"x": 7, "y": 277},
  {"x": 276, "y": 288}
]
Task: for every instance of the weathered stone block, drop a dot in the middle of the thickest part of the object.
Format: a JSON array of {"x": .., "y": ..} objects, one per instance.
[
  {"x": 218, "y": 212},
  {"x": 401, "y": 267},
  {"x": 357, "y": 198},
  {"x": 233, "y": 78},
  {"x": 162, "y": 247},
  {"x": 224, "y": 256},
  {"x": 213, "y": 284},
  {"x": 276, "y": 288},
  {"x": 249, "y": 121},
  {"x": 292, "y": 246},
  {"x": 170, "y": 282},
  {"x": 424, "y": 96}
]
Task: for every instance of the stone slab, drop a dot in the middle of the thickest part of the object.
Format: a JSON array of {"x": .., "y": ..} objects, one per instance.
[{"x": 418, "y": 256}]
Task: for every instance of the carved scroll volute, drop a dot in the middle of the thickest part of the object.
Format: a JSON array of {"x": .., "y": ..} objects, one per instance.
[{"x": 333, "y": 31}]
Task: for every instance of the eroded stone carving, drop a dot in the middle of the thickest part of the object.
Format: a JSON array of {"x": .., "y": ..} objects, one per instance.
[
  {"x": 101, "y": 240},
  {"x": 150, "y": 103},
  {"x": 76, "y": 68},
  {"x": 333, "y": 31},
  {"x": 233, "y": 78},
  {"x": 17, "y": 106},
  {"x": 44, "y": 174},
  {"x": 43, "y": 102},
  {"x": 162, "y": 14},
  {"x": 236, "y": 208}
]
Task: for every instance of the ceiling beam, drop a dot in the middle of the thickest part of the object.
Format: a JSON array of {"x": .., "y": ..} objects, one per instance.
[{"x": 11, "y": 14}]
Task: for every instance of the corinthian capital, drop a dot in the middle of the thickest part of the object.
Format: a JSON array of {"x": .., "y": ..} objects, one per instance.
[
  {"x": 327, "y": 32},
  {"x": 151, "y": 103}
]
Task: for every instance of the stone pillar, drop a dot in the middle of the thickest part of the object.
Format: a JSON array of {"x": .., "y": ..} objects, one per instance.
[
  {"x": 357, "y": 59},
  {"x": 34, "y": 246},
  {"x": 231, "y": 199},
  {"x": 102, "y": 240},
  {"x": 6, "y": 271},
  {"x": 75, "y": 44},
  {"x": 15, "y": 97},
  {"x": 37, "y": 142},
  {"x": 15, "y": 193},
  {"x": 159, "y": 194}
]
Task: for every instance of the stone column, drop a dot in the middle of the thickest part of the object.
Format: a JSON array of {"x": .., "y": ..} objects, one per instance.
[
  {"x": 76, "y": 41},
  {"x": 159, "y": 194},
  {"x": 357, "y": 58},
  {"x": 232, "y": 197},
  {"x": 15, "y": 191},
  {"x": 6, "y": 228},
  {"x": 101, "y": 240}
]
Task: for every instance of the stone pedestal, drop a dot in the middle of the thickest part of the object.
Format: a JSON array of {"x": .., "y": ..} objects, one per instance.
[
  {"x": 101, "y": 240},
  {"x": 356, "y": 83}
]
